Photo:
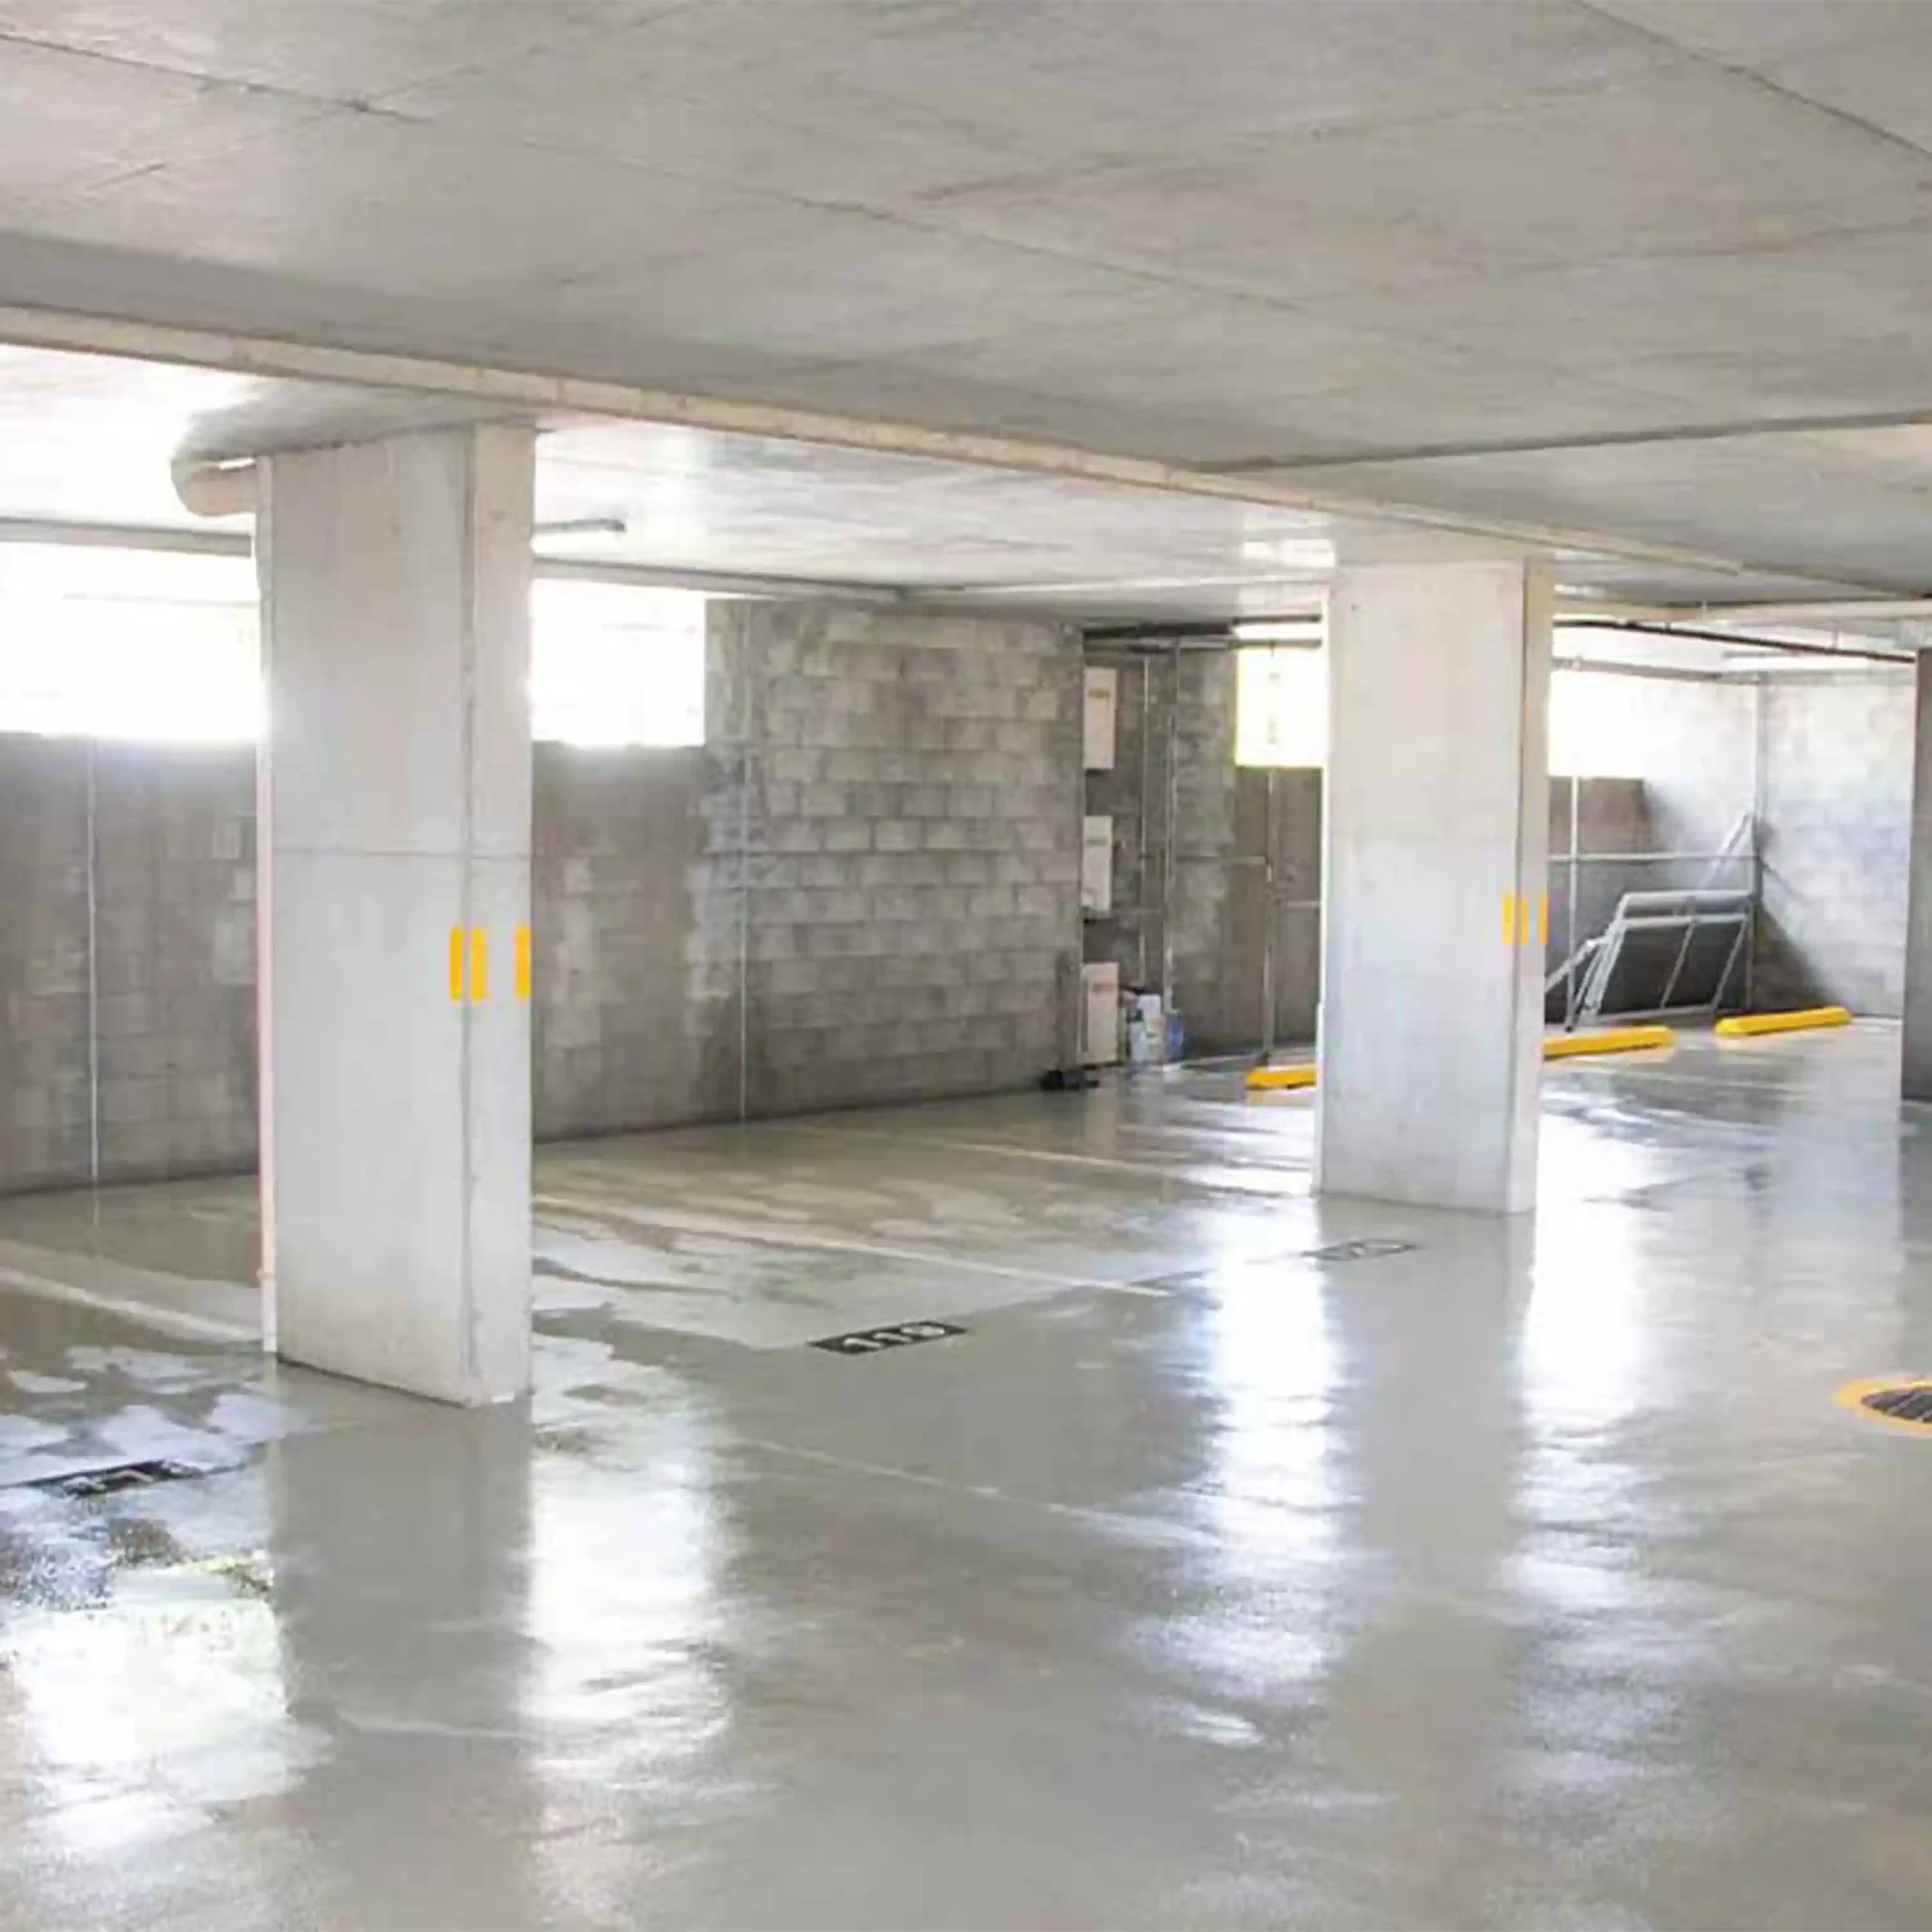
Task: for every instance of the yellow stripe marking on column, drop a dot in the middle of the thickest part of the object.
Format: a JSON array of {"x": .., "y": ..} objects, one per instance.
[
  {"x": 479, "y": 963},
  {"x": 523, "y": 962},
  {"x": 456, "y": 962},
  {"x": 1509, "y": 918},
  {"x": 1543, "y": 918}
]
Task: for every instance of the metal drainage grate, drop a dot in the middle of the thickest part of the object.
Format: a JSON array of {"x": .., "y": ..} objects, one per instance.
[
  {"x": 1907, "y": 1402},
  {"x": 85, "y": 1483},
  {"x": 1360, "y": 1250},
  {"x": 901, "y": 1334}
]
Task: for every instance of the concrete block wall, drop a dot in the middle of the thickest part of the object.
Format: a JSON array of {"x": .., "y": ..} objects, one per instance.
[
  {"x": 150, "y": 1060},
  {"x": 175, "y": 888},
  {"x": 45, "y": 1092},
  {"x": 1686, "y": 758},
  {"x": 634, "y": 1021},
  {"x": 1212, "y": 986},
  {"x": 1693, "y": 741},
  {"x": 1692, "y": 746},
  {"x": 1226, "y": 821},
  {"x": 1612, "y": 815},
  {"x": 865, "y": 887},
  {"x": 1824, "y": 760},
  {"x": 1837, "y": 793},
  {"x": 902, "y": 846}
]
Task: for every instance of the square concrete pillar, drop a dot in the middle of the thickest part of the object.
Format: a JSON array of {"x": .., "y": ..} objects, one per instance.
[
  {"x": 1436, "y": 826},
  {"x": 395, "y": 859},
  {"x": 1915, "y": 1059}
]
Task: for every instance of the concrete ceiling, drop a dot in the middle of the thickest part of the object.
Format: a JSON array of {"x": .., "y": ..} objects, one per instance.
[
  {"x": 92, "y": 439},
  {"x": 89, "y": 441},
  {"x": 699, "y": 500},
  {"x": 1663, "y": 263}
]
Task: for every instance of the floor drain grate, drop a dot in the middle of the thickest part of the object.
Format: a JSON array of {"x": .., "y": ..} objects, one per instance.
[
  {"x": 84, "y": 1483},
  {"x": 1360, "y": 1250},
  {"x": 1905, "y": 1402}
]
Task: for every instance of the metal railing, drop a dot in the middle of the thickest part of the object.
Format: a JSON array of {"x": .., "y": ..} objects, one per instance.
[{"x": 1587, "y": 971}]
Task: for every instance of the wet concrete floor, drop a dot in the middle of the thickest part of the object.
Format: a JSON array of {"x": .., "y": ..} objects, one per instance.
[{"x": 1528, "y": 1574}]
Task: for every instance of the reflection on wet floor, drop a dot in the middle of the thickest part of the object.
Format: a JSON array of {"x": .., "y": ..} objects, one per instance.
[{"x": 1524, "y": 1574}]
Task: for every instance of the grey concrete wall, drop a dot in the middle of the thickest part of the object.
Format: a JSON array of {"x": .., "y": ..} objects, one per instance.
[
  {"x": 1836, "y": 789},
  {"x": 1215, "y": 909},
  {"x": 1612, "y": 815},
  {"x": 636, "y": 1012},
  {"x": 904, "y": 831},
  {"x": 866, "y": 887},
  {"x": 1825, "y": 761},
  {"x": 1693, "y": 750},
  {"x": 884, "y": 833},
  {"x": 44, "y": 1088},
  {"x": 1695, "y": 746},
  {"x": 1688, "y": 772},
  {"x": 175, "y": 883},
  {"x": 1210, "y": 900},
  {"x": 169, "y": 1088}
]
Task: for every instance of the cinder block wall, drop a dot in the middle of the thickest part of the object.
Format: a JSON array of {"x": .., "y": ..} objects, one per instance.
[
  {"x": 636, "y": 1018},
  {"x": 1207, "y": 899},
  {"x": 1837, "y": 782},
  {"x": 866, "y": 887},
  {"x": 1215, "y": 982},
  {"x": 171, "y": 1062},
  {"x": 897, "y": 828},
  {"x": 44, "y": 1097}
]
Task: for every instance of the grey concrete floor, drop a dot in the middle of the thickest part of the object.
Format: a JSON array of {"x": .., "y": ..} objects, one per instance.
[{"x": 1531, "y": 1576}]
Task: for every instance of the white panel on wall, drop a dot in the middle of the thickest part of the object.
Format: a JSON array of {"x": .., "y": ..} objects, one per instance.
[
  {"x": 1102, "y": 694},
  {"x": 1099, "y": 1015},
  {"x": 1096, "y": 863}
]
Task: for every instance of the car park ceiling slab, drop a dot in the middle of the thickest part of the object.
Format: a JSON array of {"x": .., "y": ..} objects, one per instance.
[
  {"x": 700, "y": 501},
  {"x": 1258, "y": 237},
  {"x": 90, "y": 442},
  {"x": 92, "y": 439}
]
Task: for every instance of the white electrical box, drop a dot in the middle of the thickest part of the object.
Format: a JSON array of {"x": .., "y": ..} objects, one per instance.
[
  {"x": 1096, "y": 863},
  {"x": 1099, "y": 1015},
  {"x": 1097, "y": 730}
]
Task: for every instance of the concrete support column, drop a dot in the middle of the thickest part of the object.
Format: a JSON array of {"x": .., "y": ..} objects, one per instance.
[
  {"x": 395, "y": 870},
  {"x": 1436, "y": 827},
  {"x": 1915, "y": 1059}
]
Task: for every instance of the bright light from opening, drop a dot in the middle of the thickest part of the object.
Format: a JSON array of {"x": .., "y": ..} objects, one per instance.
[
  {"x": 128, "y": 644},
  {"x": 1281, "y": 706},
  {"x": 616, "y": 664},
  {"x": 1597, "y": 725},
  {"x": 1279, "y": 630},
  {"x": 166, "y": 647}
]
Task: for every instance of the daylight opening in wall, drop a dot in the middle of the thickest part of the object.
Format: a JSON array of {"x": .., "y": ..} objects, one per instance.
[
  {"x": 1597, "y": 725},
  {"x": 128, "y": 644},
  {"x": 1597, "y": 722},
  {"x": 166, "y": 647},
  {"x": 616, "y": 664},
  {"x": 1282, "y": 706}
]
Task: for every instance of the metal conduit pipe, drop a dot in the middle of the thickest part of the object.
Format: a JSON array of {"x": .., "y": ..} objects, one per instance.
[
  {"x": 1217, "y": 637},
  {"x": 1844, "y": 610},
  {"x": 1643, "y": 628}
]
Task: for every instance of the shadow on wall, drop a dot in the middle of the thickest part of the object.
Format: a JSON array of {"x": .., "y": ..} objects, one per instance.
[{"x": 1781, "y": 976}]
